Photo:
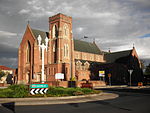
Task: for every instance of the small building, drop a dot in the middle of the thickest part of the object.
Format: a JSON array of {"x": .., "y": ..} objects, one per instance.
[
  {"x": 6, "y": 69},
  {"x": 8, "y": 72},
  {"x": 118, "y": 65}
]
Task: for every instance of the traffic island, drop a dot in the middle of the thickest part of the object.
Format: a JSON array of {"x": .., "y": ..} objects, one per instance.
[
  {"x": 22, "y": 91},
  {"x": 21, "y": 95},
  {"x": 58, "y": 100}
]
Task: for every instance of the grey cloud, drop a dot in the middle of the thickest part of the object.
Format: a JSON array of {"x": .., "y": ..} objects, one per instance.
[
  {"x": 8, "y": 51},
  {"x": 142, "y": 5},
  {"x": 120, "y": 21},
  {"x": 10, "y": 62}
]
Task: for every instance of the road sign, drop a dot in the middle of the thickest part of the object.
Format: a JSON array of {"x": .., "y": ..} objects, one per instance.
[
  {"x": 41, "y": 91},
  {"x": 101, "y": 75},
  {"x": 102, "y": 72},
  {"x": 38, "y": 88},
  {"x": 32, "y": 91},
  {"x": 38, "y": 91},
  {"x": 59, "y": 76}
]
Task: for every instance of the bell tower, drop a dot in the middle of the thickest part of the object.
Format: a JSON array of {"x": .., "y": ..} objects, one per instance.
[{"x": 61, "y": 44}]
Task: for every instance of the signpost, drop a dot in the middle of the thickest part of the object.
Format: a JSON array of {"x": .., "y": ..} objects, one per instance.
[
  {"x": 102, "y": 74},
  {"x": 59, "y": 76},
  {"x": 109, "y": 76},
  {"x": 38, "y": 88},
  {"x": 130, "y": 71}
]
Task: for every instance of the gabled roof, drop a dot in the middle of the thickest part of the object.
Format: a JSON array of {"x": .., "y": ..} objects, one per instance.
[
  {"x": 112, "y": 57},
  {"x": 43, "y": 34},
  {"x": 83, "y": 46},
  {"x": 79, "y": 45},
  {"x": 5, "y": 68}
]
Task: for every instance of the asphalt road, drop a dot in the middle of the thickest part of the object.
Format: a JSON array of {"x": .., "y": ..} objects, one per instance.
[{"x": 127, "y": 102}]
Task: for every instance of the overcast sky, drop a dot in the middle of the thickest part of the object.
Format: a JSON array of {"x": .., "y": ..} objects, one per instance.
[{"x": 115, "y": 24}]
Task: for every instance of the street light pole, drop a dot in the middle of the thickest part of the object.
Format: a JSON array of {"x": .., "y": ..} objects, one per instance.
[
  {"x": 130, "y": 79},
  {"x": 130, "y": 71},
  {"x": 43, "y": 47}
]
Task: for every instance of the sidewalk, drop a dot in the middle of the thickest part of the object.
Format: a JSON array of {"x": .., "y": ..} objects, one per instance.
[
  {"x": 59, "y": 100},
  {"x": 122, "y": 87},
  {"x": 131, "y": 89}
]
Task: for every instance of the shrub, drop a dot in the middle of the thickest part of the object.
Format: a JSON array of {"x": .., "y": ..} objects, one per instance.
[
  {"x": 86, "y": 90},
  {"x": 19, "y": 90},
  {"x": 57, "y": 91},
  {"x": 6, "y": 93},
  {"x": 70, "y": 91},
  {"x": 60, "y": 91}
]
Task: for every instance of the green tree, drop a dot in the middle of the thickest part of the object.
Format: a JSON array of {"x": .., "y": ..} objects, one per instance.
[
  {"x": 142, "y": 64},
  {"x": 147, "y": 70},
  {"x": 2, "y": 73}
]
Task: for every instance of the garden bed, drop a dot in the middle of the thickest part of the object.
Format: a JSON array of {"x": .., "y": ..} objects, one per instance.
[{"x": 21, "y": 91}]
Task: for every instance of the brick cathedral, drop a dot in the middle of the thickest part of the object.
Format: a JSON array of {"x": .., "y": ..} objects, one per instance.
[{"x": 64, "y": 54}]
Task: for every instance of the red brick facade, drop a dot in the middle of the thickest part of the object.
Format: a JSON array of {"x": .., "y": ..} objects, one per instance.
[
  {"x": 64, "y": 54},
  {"x": 61, "y": 56}
]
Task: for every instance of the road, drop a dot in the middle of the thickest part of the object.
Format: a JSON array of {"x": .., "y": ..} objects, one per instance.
[{"x": 127, "y": 102}]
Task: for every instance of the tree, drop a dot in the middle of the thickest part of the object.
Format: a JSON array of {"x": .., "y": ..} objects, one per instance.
[
  {"x": 2, "y": 73},
  {"x": 147, "y": 70},
  {"x": 142, "y": 64}
]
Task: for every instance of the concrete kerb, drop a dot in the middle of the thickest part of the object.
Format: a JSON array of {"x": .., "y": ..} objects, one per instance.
[
  {"x": 59, "y": 100},
  {"x": 123, "y": 87}
]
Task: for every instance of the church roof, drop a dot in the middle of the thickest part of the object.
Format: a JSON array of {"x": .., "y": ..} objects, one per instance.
[
  {"x": 79, "y": 45},
  {"x": 112, "y": 57},
  {"x": 86, "y": 47},
  {"x": 36, "y": 33}
]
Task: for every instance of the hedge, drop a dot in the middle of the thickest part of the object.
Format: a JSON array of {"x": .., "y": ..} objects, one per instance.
[
  {"x": 20, "y": 91},
  {"x": 14, "y": 91}
]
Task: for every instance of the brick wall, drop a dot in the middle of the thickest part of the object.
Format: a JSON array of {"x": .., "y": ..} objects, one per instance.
[
  {"x": 88, "y": 56},
  {"x": 79, "y": 83}
]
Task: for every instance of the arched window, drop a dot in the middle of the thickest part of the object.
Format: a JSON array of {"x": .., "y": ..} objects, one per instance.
[
  {"x": 55, "y": 32},
  {"x": 66, "y": 50},
  {"x": 79, "y": 65},
  {"x": 54, "y": 49},
  {"x": 66, "y": 30},
  {"x": 28, "y": 53},
  {"x": 86, "y": 65},
  {"x": 55, "y": 52},
  {"x": 40, "y": 53}
]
